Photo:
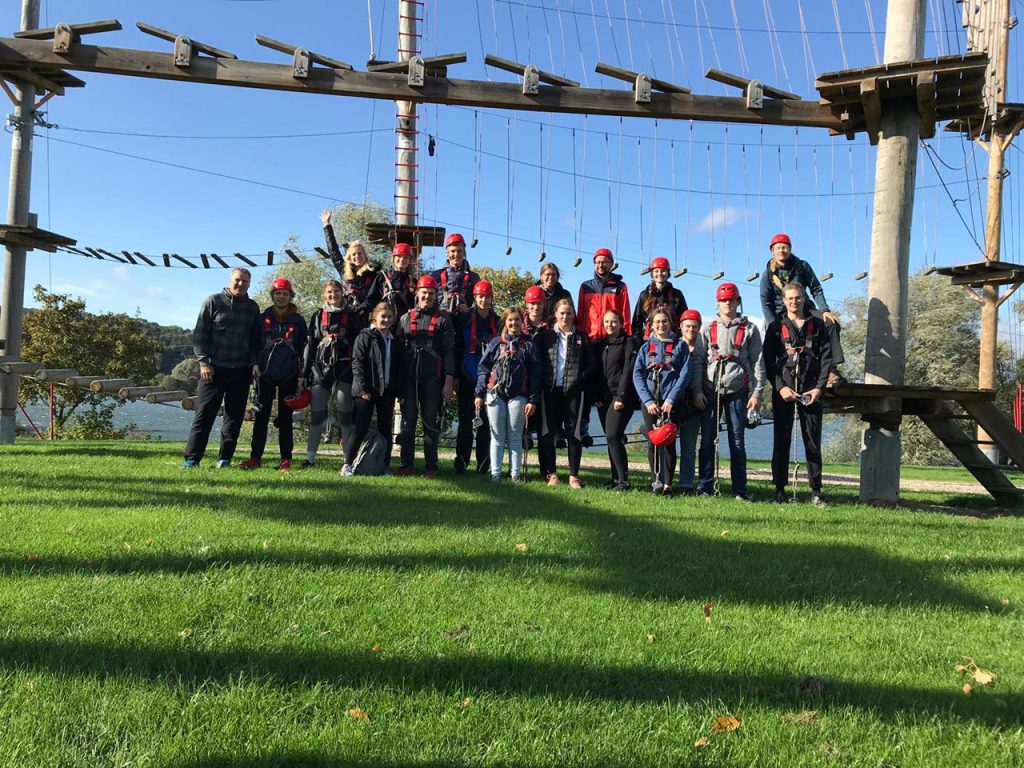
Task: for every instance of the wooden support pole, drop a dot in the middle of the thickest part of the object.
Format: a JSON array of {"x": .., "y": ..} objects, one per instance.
[
  {"x": 110, "y": 386},
  {"x": 888, "y": 283},
  {"x": 56, "y": 374}
]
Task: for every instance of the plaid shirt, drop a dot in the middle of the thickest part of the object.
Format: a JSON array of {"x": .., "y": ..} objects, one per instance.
[{"x": 227, "y": 333}]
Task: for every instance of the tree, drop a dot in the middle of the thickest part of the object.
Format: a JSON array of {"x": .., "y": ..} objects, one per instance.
[
  {"x": 943, "y": 331},
  {"x": 184, "y": 376},
  {"x": 308, "y": 276},
  {"x": 509, "y": 285},
  {"x": 61, "y": 334}
]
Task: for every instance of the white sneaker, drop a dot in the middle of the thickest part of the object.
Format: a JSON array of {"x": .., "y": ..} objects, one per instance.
[{"x": 346, "y": 471}]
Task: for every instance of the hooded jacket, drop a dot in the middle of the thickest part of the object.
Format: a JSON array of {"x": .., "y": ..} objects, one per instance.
[
  {"x": 597, "y": 296},
  {"x": 734, "y": 368},
  {"x": 774, "y": 279}
]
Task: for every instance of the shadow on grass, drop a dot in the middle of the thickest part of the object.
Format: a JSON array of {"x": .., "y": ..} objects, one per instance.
[
  {"x": 295, "y": 759},
  {"x": 477, "y": 675}
]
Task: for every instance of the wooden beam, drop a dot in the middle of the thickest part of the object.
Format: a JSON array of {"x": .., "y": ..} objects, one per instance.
[
  {"x": 277, "y": 45},
  {"x": 630, "y": 77},
  {"x": 513, "y": 66},
  {"x": 942, "y": 64},
  {"x": 872, "y": 108},
  {"x": 429, "y": 61},
  {"x": 163, "y": 34},
  {"x": 20, "y": 54},
  {"x": 742, "y": 82},
  {"x": 926, "y": 103},
  {"x": 33, "y": 78},
  {"x": 87, "y": 28}
]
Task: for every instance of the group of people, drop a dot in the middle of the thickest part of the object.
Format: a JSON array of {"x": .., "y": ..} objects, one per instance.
[{"x": 531, "y": 373}]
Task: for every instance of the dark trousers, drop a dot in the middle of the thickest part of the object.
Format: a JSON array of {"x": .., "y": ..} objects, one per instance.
[
  {"x": 561, "y": 410},
  {"x": 662, "y": 461},
  {"x": 810, "y": 430},
  {"x": 734, "y": 408},
  {"x": 464, "y": 437},
  {"x": 267, "y": 393},
  {"x": 422, "y": 400},
  {"x": 614, "y": 424},
  {"x": 230, "y": 386},
  {"x": 384, "y": 407}
]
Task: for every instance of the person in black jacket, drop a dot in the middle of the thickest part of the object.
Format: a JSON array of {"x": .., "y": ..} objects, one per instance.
[
  {"x": 613, "y": 393},
  {"x": 658, "y": 295},
  {"x": 509, "y": 379},
  {"x": 280, "y": 373},
  {"x": 455, "y": 281},
  {"x": 377, "y": 377},
  {"x": 565, "y": 352},
  {"x": 797, "y": 356},
  {"x": 226, "y": 341},
  {"x": 429, "y": 375},
  {"x": 395, "y": 285},
  {"x": 473, "y": 331},
  {"x": 327, "y": 366},
  {"x": 358, "y": 275},
  {"x": 553, "y": 290}
]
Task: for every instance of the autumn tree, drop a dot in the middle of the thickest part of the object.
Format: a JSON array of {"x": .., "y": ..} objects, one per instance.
[
  {"x": 509, "y": 285},
  {"x": 943, "y": 332},
  {"x": 61, "y": 334}
]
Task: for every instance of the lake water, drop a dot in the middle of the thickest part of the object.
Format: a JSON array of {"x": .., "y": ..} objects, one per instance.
[{"x": 170, "y": 422}]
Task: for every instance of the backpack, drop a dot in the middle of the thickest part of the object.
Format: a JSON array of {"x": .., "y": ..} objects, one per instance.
[{"x": 372, "y": 456}]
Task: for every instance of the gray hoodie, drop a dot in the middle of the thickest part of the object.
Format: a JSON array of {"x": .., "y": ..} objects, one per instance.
[{"x": 743, "y": 368}]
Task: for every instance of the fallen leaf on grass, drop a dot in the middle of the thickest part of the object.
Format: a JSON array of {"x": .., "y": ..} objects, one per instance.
[
  {"x": 703, "y": 741},
  {"x": 126, "y": 546},
  {"x": 520, "y": 548},
  {"x": 707, "y": 612},
  {"x": 149, "y": 542},
  {"x": 376, "y": 648},
  {"x": 88, "y": 561},
  {"x": 357, "y": 714},
  {"x": 186, "y": 632},
  {"x": 31, "y": 558},
  {"x": 30, "y": 687},
  {"x": 464, "y": 703},
  {"x": 725, "y": 724},
  {"x": 806, "y": 717},
  {"x": 724, "y": 533},
  {"x": 967, "y": 689},
  {"x": 265, "y": 545},
  {"x": 651, "y": 638},
  {"x": 459, "y": 633},
  {"x": 531, "y": 626},
  {"x": 981, "y": 676},
  {"x": 1005, "y": 601}
]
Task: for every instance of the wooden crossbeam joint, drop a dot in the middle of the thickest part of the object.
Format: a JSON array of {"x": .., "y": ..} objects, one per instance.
[
  {"x": 631, "y": 77},
  {"x": 872, "y": 107},
  {"x": 302, "y": 58},
  {"x": 926, "y": 103},
  {"x": 66, "y": 35},
  {"x": 737, "y": 81},
  {"x": 520, "y": 69},
  {"x": 173, "y": 37}
]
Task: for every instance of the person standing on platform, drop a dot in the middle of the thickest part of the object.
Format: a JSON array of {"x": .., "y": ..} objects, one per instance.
[{"x": 226, "y": 341}]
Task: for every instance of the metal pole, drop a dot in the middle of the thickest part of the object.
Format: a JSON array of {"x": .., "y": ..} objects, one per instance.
[
  {"x": 12, "y": 300},
  {"x": 406, "y": 130},
  {"x": 999, "y": 35},
  {"x": 895, "y": 172}
]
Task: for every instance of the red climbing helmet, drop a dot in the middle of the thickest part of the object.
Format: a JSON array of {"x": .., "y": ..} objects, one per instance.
[
  {"x": 454, "y": 239},
  {"x": 299, "y": 400},
  {"x": 534, "y": 295},
  {"x": 782, "y": 237},
  {"x": 426, "y": 282},
  {"x": 659, "y": 262},
  {"x": 602, "y": 252},
  {"x": 402, "y": 249},
  {"x": 727, "y": 291},
  {"x": 483, "y": 288},
  {"x": 690, "y": 314},
  {"x": 282, "y": 284}
]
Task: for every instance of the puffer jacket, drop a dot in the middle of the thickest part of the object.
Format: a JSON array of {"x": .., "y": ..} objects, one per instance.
[
  {"x": 578, "y": 364},
  {"x": 368, "y": 356}
]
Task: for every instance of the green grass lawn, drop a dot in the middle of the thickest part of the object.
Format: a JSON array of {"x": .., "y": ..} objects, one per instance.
[{"x": 153, "y": 617}]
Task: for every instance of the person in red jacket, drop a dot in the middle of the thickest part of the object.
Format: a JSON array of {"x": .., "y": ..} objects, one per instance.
[{"x": 604, "y": 291}]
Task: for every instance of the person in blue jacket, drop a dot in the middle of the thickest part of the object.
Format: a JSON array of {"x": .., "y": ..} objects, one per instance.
[
  {"x": 660, "y": 375},
  {"x": 509, "y": 380},
  {"x": 473, "y": 330}
]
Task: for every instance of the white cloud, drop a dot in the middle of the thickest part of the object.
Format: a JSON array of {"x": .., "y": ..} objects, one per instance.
[{"x": 720, "y": 218}]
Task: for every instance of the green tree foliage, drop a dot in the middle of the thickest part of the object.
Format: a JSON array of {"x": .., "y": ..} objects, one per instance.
[
  {"x": 61, "y": 334},
  {"x": 509, "y": 285},
  {"x": 308, "y": 276},
  {"x": 185, "y": 376},
  {"x": 943, "y": 333}
]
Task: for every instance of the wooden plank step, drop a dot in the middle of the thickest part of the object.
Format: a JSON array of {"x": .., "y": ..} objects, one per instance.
[{"x": 999, "y": 428}]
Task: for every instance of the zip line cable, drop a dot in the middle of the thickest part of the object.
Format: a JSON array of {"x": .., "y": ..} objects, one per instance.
[
  {"x": 618, "y": 193},
  {"x": 689, "y": 185},
  {"x": 640, "y": 183},
  {"x": 629, "y": 33},
  {"x": 839, "y": 31}
]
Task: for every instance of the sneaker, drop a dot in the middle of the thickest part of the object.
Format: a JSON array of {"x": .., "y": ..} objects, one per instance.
[
  {"x": 285, "y": 465},
  {"x": 518, "y": 479},
  {"x": 460, "y": 467},
  {"x": 666, "y": 490},
  {"x": 251, "y": 463},
  {"x": 574, "y": 482},
  {"x": 686, "y": 492},
  {"x": 818, "y": 501},
  {"x": 223, "y": 463},
  {"x": 191, "y": 464},
  {"x": 741, "y": 497},
  {"x": 553, "y": 480},
  {"x": 346, "y": 471},
  {"x": 430, "y": 474},
  {"x": 404, "y": 471},
  {"x": 622, "y": 486},
  {"x": 705, "y": 494},
  {"x": 306, "y": 464},
  {"x": 495, "y": 478},
  {"x": 780, "y": 497}
]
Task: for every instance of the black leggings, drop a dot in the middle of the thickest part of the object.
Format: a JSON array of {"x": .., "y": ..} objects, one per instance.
[
  {"x": 422, "y": 399},
  {"x": 614, "y": 424},
  {"x": 267, "y": 391},
  {"x": 560, "y": 409},
  {"x": 363, "y": 410}
]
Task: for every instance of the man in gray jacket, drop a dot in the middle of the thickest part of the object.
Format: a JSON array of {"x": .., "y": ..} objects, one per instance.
[
  {"x": 735, "y": 368},
  {"x": 226, "y": 341}
]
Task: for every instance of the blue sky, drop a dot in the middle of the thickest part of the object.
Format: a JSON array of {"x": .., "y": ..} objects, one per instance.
[{"x": 153, "y": 166}]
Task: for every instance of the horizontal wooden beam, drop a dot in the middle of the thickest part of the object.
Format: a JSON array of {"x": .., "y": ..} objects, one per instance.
[
  {"x": 319, "y": 58},
  {"x": 630, "y": 77},
  {"x": 742, "y": 82},
  {"x": 940, "y": 65},
  {"x": 21, "y": 54},
  {"x": 164, "y": 34},
  {"x": 514, "y": 66},
  {"x": 430, "y": 61},
  {"x": 87, "y": 28}
]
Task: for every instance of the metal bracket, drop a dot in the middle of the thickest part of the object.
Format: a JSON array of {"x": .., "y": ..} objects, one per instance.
[
  {"x": 417, "y": 72},
  {"x": 63, "y": 38},
  {"x": 642, "y": 89},
  {"x": 755, "y": 94},
  {"x": 182, "y": 51},
  {"x": 531, "y": 80},
  {"x": 300, "y": 64}
]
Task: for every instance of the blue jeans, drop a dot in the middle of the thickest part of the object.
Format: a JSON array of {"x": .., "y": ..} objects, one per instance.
[
  {"x": 734, "y": 408},
  {"x": 688, "y": 431},
  {"x": 507, "y": 422}
]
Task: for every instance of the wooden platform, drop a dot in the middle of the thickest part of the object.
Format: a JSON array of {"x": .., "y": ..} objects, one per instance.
[{"x": 938, "y": 410}]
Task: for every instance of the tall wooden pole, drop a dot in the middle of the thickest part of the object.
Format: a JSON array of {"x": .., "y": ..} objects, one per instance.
[
  {"x": 12, "y": 300},
  {"x": 406, "y": 160},
  {"x": 999, "y": 36},
  {"x": 895, "y": 172}
]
